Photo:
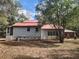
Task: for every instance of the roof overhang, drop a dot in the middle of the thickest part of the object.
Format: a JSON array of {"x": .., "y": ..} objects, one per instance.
[
  {"x": 27, "y": 23},
  {"x": 50, "y": 27},
  {"x": 66, "y": 30}
]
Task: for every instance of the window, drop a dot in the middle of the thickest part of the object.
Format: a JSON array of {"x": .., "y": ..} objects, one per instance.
[
  {"x": 36, "y": 30},
  {"x": 50, "y": 33},
  {"x": 54, "y": 32},
  {"x": 11, "y": 30},
  {"x": 8, "y": 30},
  {"x": 28, "y": 28}
]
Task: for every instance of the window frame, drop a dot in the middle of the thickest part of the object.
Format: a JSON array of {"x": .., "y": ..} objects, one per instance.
[
  {"x": 28, "y": 29},
  {"x": 50, "y": 33},
  {"x": 36, "y": 29},
  {"x": 11, "y": 30},
  {"x": 8, "y": 30}
]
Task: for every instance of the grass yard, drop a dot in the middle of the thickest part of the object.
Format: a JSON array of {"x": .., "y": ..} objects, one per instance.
[{"x": 39, "y": 50}]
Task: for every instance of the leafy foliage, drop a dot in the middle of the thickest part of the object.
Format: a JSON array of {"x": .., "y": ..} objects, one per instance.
[
  {"x": 8, "y": 11},
  {"x": 57, "y": 11},
  {"x": 74, "y": 20},
  {"x": 60, "y": 12}
]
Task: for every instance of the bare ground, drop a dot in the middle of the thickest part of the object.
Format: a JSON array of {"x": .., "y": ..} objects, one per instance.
[{"x": 39, "y": 50}]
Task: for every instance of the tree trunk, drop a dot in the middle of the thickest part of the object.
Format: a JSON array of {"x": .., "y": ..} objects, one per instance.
[{"x": 61, "y": 36}]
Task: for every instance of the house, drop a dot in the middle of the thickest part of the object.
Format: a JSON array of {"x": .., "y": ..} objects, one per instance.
[
  {"x": 69, "y": 33},
  {"x": 32, "y": 29},
  {"x": 50, "y": 31}
]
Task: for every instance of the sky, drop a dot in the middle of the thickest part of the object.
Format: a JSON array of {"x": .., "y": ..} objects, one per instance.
[{"x": 29, "y": 6}]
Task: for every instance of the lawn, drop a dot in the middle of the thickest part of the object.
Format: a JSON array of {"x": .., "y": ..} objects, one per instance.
[{"x": 39, "y": 49}]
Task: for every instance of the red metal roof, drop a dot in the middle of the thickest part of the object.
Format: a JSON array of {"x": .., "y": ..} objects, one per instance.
[
  {"x": 27, "y": 23},
  {"x": 31, "y": 21},
  {"x": 51, "y": 26},
  {"x": 36, "y": 23}
]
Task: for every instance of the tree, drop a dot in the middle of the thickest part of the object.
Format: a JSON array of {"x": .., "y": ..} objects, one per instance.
[
  {"x": 57, "y": 12},
  {"x": 8, "y": 11},
  {"x": 3, "y": 25},
  {"x": 21, "y": 17},
  {"x": 74, "y": 23}
]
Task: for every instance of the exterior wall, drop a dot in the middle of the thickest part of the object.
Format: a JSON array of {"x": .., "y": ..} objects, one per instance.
[
  {"x": 44, "y": 34},
  {"x": 7, "y": 33},
  {"x": 22, "y": 31},
  {"x": 69, "y": 34},
  {"x": 8, "y": 36}
]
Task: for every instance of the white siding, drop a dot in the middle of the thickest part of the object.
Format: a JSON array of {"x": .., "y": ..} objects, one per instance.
[
  {"x": 7, "y": 34},
  {"x": 22, "y": 31},
  {"x": 44, "y": 34}
]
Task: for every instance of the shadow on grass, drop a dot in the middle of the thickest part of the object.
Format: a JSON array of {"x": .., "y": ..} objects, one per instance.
[
  {"x": 68, "y": 54},
  {"x": 40, "y": 43},
  {"x": 73, "y": 42},
  {"x": 55, "y": 54},
  {"x": 77, "y": 49},
  {"x": 25, "y": 57}
]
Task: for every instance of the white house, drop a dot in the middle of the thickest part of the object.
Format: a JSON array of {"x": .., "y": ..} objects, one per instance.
[{"x": 31, "y": 29}]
